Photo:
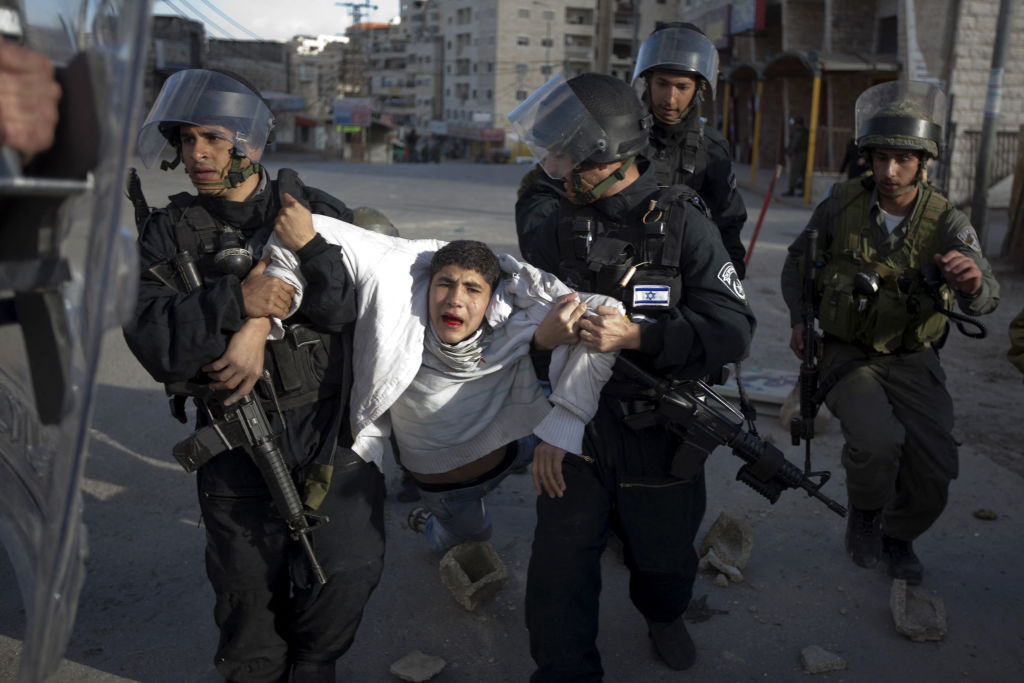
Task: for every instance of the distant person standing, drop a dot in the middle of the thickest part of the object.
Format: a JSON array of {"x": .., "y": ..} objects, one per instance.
[
  {"x": 854, "y": 163},
  {"x": 796, "y": 152}
]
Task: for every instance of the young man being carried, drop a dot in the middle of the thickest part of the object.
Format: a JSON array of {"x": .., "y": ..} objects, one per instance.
[{"x": 448, "y": 369}]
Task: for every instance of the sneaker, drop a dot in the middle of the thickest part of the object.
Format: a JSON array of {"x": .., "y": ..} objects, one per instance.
[
  {"x": 902, "y": 561},
  {"x": 418, "y": 518},
  {"x": 864, "y": 536},
  {"x": 408, "y": 491},
  {"x": 672, "y": 642}
]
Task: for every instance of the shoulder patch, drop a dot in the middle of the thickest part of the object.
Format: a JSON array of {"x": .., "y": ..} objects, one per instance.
[
  {"x": 731, "y": 279},
  {"x": 969, "y": 238}
]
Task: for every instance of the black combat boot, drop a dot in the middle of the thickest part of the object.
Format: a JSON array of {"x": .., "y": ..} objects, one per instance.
[
  {"x": 902, "y": 560},
  {"x": 864, "y": 536},
  {"x": 672, "y": 642}
]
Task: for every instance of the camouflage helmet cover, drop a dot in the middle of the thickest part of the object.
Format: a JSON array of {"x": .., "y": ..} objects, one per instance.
[{"x": 901, "y": 115}]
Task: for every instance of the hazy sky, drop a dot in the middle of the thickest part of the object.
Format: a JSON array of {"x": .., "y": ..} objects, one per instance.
[{"x": 274, "y": 19}]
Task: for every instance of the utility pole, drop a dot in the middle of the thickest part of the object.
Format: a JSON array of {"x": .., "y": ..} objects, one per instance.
[{"x": 983, "y": 169}]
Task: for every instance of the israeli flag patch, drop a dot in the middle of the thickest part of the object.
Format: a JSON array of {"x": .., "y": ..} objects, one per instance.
[{"x": 651, "y": 295}]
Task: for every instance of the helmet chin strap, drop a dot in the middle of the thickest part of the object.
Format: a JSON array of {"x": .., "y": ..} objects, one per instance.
[
  {"x": 236, "y": 175},
  {"x": 581, "y": 192}
]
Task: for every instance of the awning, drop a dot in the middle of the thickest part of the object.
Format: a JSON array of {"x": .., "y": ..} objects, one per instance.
[{"x": 306, "y": 122}]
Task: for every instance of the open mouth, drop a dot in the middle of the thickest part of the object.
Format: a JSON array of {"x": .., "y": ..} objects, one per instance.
[{"x": 451, "y": 320}]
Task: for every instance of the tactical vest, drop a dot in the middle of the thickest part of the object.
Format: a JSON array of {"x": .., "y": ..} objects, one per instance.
[
  {"x": 307, "y": 365},
  {"x": 901, "y": 315},
  {"x": 686, "y": 163},
  {"x": 637, "y": 264}
]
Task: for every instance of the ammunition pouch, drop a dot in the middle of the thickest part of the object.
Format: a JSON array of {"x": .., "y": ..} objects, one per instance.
[{"x": 306, "y": 366}]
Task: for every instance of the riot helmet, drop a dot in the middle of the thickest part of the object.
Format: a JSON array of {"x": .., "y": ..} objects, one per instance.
[
  {"x": 221, "y": 103},
  {"x": 591, "y": 118},
  {"x": 679, "y": 48},
  {"x": 901, "y": 115}
]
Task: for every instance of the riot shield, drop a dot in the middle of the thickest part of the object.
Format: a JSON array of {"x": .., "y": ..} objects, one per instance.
[{"x": 67, "y": 274}]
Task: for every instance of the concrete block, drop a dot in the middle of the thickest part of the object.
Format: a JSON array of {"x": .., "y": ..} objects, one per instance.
[{"x": 473, "y": 573}]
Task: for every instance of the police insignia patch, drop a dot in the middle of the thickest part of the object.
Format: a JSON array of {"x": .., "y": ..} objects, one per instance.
[
  {"x": 731, "y": 279},
  {"x": 969, "y": 238}
]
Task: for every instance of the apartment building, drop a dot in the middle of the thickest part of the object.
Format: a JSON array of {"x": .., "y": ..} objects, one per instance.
[{"x": 472, "y": 62}]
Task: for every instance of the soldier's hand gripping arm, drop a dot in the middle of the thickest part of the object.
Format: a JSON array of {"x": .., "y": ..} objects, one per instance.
[
  {"x": 264, "y": 295},
  {"x": 328, "y": 299},
  {"x": 29, "y": 94},
  {"x": 241, "y": 366},
  {"x": 561, "y": 324}
]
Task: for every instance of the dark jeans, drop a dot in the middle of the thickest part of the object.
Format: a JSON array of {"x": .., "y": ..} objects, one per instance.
[
  {"x": 620, "y": 483},
  {"x": 270, "y": 611}
]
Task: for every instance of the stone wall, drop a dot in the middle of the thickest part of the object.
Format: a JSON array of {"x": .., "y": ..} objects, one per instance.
[{"x": 968, "y": 84}]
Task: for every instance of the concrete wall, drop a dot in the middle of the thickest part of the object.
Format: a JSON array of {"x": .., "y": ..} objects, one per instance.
[{"x": 971, "y": 61}]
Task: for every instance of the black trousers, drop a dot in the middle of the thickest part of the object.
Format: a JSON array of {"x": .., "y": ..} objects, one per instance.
[
  {"x": 621, "y": 482},
  {"x": 270, "y": 611}
]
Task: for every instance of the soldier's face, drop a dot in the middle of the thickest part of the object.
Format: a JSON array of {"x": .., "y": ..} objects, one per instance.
[
  {"x": 206, "y": 153},
  {"x": 456, "y": 303},
  {"x": 895, "y": 170},
  {"x": 670, "y": 95}
]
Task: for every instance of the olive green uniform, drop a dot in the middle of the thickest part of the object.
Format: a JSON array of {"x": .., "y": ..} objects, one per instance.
[{"x": 891, "y": 399}]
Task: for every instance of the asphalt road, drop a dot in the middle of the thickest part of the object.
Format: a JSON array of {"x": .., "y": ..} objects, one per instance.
[{"x": 146, "y": 610}]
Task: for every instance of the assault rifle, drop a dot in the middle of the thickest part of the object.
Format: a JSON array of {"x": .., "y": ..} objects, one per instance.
[
  {"x": 245, "y": 425},
  {"x": 803, "y": 427},
  {"x": 705, "y": 420}
]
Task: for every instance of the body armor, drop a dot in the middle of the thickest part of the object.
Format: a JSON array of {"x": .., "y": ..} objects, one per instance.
[
  {"x": 304, "y": 364},
  {"x": 635, "y": 263},
  {"x": 897, "y": 312},
  {"x": 684, "y": 163}
]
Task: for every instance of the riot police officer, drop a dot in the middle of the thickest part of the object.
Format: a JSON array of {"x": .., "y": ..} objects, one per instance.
[
  {"x": 892, "y": 253},
  {"x": 201, "y": 303},
  {"x": 679, "y": 68},
  {"x": 618, "y": 234}
]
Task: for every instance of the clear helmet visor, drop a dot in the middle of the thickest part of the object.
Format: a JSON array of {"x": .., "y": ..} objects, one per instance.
[
  {"x": 211, "y": 100},
  {"x": 559, "y": 130},
  {"x": 679, "y": 50},
  {"x": 901, "y": 114}
]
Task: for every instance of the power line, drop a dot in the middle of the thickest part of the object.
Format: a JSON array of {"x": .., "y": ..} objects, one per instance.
[
  {"x": 204, "y": 18},
  {"x": 233, "y": 22},
  {"x": 182, "y": 14}
]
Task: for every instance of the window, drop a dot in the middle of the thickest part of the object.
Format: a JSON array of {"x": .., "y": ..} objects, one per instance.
[
  {"x": 546, "y": 69},
  {"x": 549, "y": 15},
  {"x": 524, "y": 14},
  {"x": 523, "y": 41},
  {"x": 547, "y": 42},
  {"x": 521, "y": 95},
  {"x": 888, "y": 39}
]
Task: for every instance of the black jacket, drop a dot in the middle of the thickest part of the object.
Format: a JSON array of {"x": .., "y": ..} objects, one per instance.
[
  {"x": 711, "y": 325},
  {"x": 173, "y": 335},
  {"x": 712, "y": 178}
]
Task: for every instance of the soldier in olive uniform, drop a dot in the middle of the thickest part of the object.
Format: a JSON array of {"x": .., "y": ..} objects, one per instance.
[{"x": 891, "y": 251}]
